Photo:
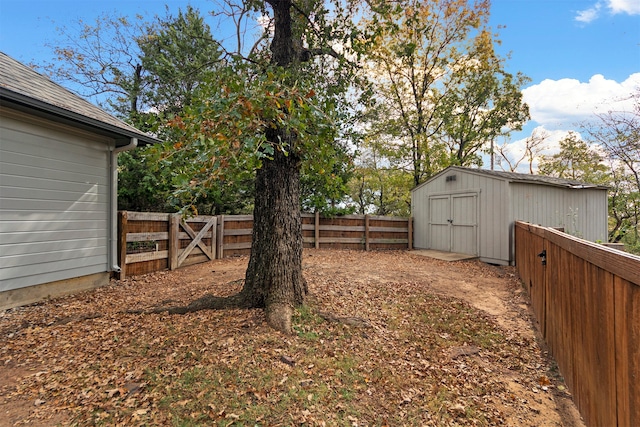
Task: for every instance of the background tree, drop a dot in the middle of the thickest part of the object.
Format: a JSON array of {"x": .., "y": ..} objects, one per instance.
[
  {"x": 378, "y": 186},
  {"x": 624, "y": 209},
  {"x": 141, "y": 186},
  {"x": 102, "y": 61},
  {"x": 576, "y": 160},
  {"x": 486, "y": 104},
  {"x": 425, "y": 97},
  {"x": 618, "y": 133},
  {"x": 534, "y": 145},
  {"x": 177, "y": 53}
]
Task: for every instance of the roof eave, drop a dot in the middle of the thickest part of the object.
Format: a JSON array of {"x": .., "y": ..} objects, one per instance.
[
  {"x": 560, "y": 185},
  {"x": 43, "y": 109},
  {"x": 479, "y": 172}
]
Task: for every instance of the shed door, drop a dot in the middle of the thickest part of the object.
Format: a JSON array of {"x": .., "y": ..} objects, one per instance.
[
  {"x": 464, "y": 224},
  {"x": 453, "y": 224},
  {"x": 439, "y": 226}
]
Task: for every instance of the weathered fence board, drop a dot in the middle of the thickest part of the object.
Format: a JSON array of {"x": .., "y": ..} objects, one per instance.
[
  {"x": 586, "y": 298},
  {"x": 196, "y": 240},
  {"x": 165, "y": 242},
  {"x": 150, "y": 241}
]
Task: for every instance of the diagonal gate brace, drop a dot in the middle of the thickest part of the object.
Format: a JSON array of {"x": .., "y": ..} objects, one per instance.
[{"x": 196, "y": 240}]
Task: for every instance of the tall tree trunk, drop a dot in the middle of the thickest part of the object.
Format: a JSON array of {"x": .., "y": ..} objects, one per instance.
[
  {"x": 274, "y": 274},
  {"x": 273, "y": 279}
]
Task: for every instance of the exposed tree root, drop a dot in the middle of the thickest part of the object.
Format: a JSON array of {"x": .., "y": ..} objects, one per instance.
[
  {"x": 279, "y": 317},
  {"x": 207, "y": 302},
  {"x": 278, "y": 314},
  {"x": 351, "y": 321}
]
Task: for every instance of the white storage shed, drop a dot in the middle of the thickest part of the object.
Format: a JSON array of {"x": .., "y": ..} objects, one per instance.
[
  {"x": 473, "y": 211},
  {"x": 58, "y": 187}
]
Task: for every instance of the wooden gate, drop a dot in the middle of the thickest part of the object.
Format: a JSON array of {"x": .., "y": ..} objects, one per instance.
[
  {"x": 178, "y": 254},
  {"x": 156, "y": 241}
]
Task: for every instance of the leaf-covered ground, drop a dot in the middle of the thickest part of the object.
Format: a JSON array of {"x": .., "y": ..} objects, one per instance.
[{"x": 387, "y": 339}]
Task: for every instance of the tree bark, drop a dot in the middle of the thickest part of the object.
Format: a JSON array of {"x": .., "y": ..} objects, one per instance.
[{"x": 274, "y": 274}]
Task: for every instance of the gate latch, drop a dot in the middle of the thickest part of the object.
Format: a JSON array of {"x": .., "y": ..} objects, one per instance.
[{"x": 543, "y": 255}]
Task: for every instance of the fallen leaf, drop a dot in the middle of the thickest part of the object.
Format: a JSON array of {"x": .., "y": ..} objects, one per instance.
[{"x": 288, "y": 360}]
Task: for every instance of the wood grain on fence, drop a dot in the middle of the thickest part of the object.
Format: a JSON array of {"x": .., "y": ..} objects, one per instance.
[
  {"x": 358, "y": 232},
  {"x": 148, "y": 242},
  {"x": 586, "y": 299}
]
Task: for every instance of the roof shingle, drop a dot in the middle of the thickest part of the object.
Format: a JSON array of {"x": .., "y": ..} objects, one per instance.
[{"x": 23, "y": 85}]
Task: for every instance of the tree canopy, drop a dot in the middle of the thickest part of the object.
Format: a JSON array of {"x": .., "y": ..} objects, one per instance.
[
  {"x": 326, "y": 98},
  {"x": 441, "y": 91},
  {"x": 576, "y": 160}
]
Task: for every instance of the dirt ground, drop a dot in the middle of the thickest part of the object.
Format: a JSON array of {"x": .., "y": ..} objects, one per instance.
[{"x": 339, "y": 281}]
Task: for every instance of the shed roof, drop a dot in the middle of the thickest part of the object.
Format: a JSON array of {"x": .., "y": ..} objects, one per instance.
[
  {"x": 520, "y": 177},
  {"x": 25, "y": 89}
]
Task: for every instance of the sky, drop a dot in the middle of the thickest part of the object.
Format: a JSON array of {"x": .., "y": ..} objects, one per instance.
[{"x": 582, "y": 56}]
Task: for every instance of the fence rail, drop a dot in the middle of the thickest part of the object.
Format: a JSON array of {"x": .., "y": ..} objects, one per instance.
[
  {"x": 586, "y": 298},
  {"x": 151, "y": 241}
]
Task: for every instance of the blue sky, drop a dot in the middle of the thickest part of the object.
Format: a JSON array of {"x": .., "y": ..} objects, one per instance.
[{"x": 583, "y": 56}]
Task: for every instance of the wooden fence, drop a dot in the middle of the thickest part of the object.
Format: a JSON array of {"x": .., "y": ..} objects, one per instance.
[
  {"x": 149, "y": 241},
  {"x": 157, "y": 241},
  {"x": 586, "y": 298}
]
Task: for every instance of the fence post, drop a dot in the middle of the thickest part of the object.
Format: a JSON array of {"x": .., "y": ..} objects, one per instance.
[
  {"x": 316, "y": 230},
  {"x": 220, "y": 237},
  {"x": 174, "y": 240},
  {"x": 214, "y": 238},
  {"x": 366, "y": 232},
  {"x": 122, "y": 244},
  {"x": 410, "y": 233}
]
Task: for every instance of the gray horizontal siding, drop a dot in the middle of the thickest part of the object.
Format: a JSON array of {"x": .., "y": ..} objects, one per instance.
[
  {"x": 54, "y": 272},
  {"x": 50, "y": 256},
  {"x": 17, "y": 238},
  {"x": 54, "y": 203},
  {"x": 44, "y": 249}
]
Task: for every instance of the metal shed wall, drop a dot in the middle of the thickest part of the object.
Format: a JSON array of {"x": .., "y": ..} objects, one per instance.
[
  {"x": 491, "y": 215},
  {"x": 54, "y": 202},
  {"x": 580, "y": 212},
  {"x": 500, "y": 202}
]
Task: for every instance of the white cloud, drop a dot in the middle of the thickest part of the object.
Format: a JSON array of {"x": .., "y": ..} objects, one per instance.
[
  {"x": 561, "y": 104},
  {"x": 632, "y": 7},
  {"x": 588, "y": 15}
]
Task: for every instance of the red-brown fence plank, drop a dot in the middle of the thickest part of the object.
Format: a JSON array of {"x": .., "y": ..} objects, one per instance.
[{"x": 590, "y": 318}]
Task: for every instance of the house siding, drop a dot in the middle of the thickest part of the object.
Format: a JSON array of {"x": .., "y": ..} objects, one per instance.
[{"x": 54, "y": 202}]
